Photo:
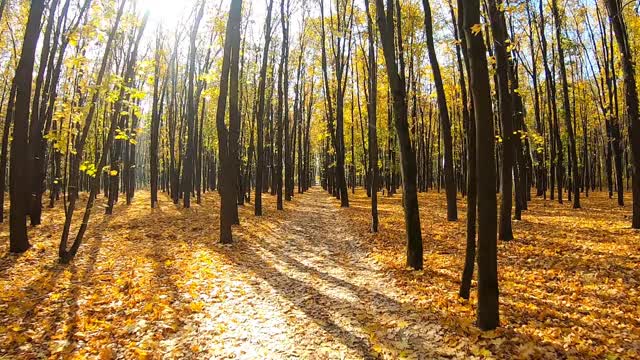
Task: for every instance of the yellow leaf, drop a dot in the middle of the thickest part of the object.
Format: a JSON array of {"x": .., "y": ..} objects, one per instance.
[
  {"x": 402, "y": 324},
  {"x": 490, "y": 334},
  {"x": 476, "y": 29},
  {"x": 196, "y": 306},
  {"x": 106, "y": 353},
  {"x": 481, "y": 352},
  {"x": 142, "y": 354}
]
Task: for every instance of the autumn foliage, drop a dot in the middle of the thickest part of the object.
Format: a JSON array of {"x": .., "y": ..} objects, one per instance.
[{"x": 152, "y": 283}]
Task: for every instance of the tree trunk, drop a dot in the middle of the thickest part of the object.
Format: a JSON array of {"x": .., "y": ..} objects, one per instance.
[
  {"x": 567, "y": 106},
  {"x": 19, "y": 176},
  {"x": 407, "y": 154},
  {"x": 631, "y": 96},
  {"x": 155, "y": 128},
  {"x": 488, "y": 313},
  {"x": 261, "y": 112},
  {"x": 450, "y": 185},
  {"x": 372, "y": 105},
  {"x": 36, "y": 124},
  {"x": 66, "y": 255},
  {"x": 498, "y": 27},
  {"x": 226, "y": 136},
  {"x": 472, "y": 181}
]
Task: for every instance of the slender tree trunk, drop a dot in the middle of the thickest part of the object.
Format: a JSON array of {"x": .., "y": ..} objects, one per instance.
[
  {"x": 155, "y": 127},
  {"x": 567, "y": 106},
  {"x": 407, "y": 154},
  {"x": 450, "y": 185},
  {"x": 66, "y": 255},
  {"x": 189, "y": 158},
  {"x": 226, "y": 136},
  {"x": 75, "y": 160},
  {"x": 555, "y": 156},
  {"x": 19, "y": 176},
  {"x": 488, "y": 313},
  {"x": 372, "y": 105},
  {"x": 500, "y": 36},
  {"x": 3, "y": 4},
  {"x": 472, "y": 181},
  {"x": 5, "y": 146},
  {"x": 261, "y": 112},
  {"x": 631, "y": 96},
  {"x": 280, "y": 122},
  {"x": 36, "y": 123}
]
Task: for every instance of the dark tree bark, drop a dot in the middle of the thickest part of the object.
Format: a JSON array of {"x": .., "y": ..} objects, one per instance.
[
  {"x": 118, "y": 152},
  {"x": 155, "y": 127},
  {"x": 226, "y": 135},
  {"x": 472, "y": 178},
  {"x": 285, "y": 119},
  {"x": 372, "y": 104},
  {"x": 555, "y": 156},
  {"x": 541, "y": 172},
  {"x": 66, "y": 255},
  {"x": 567, "y": 106},
  {"x": 407, "y": 154},
  {"x": 261, "y": 112},
  {"x": 280, "y": 121},
  {"x": 36, "y": 123},
  {"x": 500, "y": 43},
  {"x": 234, "y": 115},
  {"x": 19, "y": 176},
  {"x": 3, "y": 4},
  {"x": 631, "y": 97},
  {"x": 189, "y": 158},
  {"x": 47, "y": 104},
  {"x": 488, "y": 313},
  {"x": 616, "y": 137},
  {"x": 341, "y": 50},
  {"x": 8, "y": 120},
  {"x": 445, "y": 127},
  {"x": 307, "y": 150}
]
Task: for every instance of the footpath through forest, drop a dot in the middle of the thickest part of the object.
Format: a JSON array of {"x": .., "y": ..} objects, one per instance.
[
  {"x": 156, "y": 284},
  {"x": 312, "y": 282},
  {"x": 303, "y": 286}
]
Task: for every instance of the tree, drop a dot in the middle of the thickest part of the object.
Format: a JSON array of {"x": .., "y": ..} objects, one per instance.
[
  {"x": 631, "y": 95},
  {"x": 3, "y": 4},
  {"x": 189, "y": 159},
  {"x": 19, "y": 176},
  {"x": 372, "y": 104},
  {"x": 472, "y": 179},
  {"x": 397, "y": 86},
  {"x": 566, "y": 105},
  {"x": 66, "y": 255},
  {"x": 261, "y": 111},
  {"x": 36, "y": 122},
  {"x": 501, "y": 42},
  {"x": 488, "y": 313},
  {"x": 341, "y": 49},
  {"x": 155, "y": 125},
  {"x": 445, "y": 122},
  {"x": 225, "y": 135},
  {"x": 556, "y": 153}
]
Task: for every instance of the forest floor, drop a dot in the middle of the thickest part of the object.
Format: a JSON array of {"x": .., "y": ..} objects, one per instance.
[{"x": 312, "y": 282}]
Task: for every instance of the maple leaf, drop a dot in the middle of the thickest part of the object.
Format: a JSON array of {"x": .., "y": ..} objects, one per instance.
[{"x": 476, "y": 29}]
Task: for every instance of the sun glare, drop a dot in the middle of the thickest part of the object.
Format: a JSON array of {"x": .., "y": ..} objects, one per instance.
[{"x": 168, "y": 13}]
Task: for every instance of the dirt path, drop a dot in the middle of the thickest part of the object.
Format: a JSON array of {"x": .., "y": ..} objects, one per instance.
[
  {"x": 299, "y": 284},
  {"x": 303, "y": 287},
  {"x": 156, "y": 284}
]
